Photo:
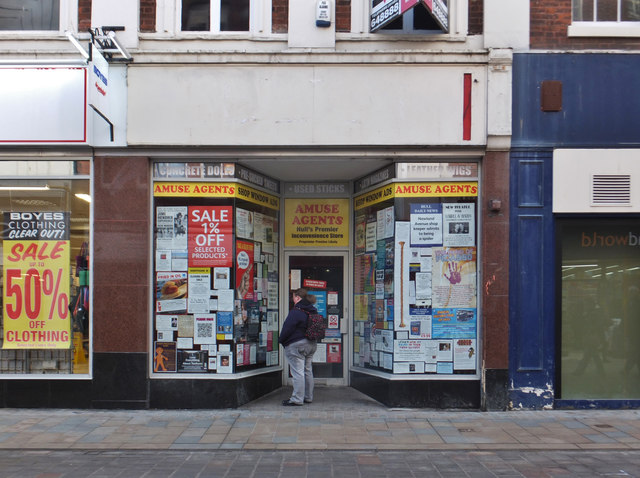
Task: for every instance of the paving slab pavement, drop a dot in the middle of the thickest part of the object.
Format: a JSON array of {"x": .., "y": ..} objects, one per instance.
[
  {"x": 318, "y": 464},
  {"x": 340, "y": 419}
]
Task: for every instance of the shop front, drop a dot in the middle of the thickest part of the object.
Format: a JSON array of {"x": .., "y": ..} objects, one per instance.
[
  {"x": 574, "y": 268},
  {"x": 416, "y": 320},
  {"x": 391, "y": 258}
]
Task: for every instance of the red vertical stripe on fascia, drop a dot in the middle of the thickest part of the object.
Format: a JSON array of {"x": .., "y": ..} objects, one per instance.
[{"x": 466, "y": 109}]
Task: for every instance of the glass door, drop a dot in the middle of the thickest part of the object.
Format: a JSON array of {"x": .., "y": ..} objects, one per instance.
[{"x": 324, "y": 276}]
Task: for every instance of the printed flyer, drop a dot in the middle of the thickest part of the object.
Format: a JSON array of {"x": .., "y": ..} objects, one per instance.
[
  {"x": 454, "y": 277},
  {"x": 426, "y": 224},
  {"x": 244, "y": 270},
  {"x": 459, "y": 224},
  {"x": 171, "y": 228}
]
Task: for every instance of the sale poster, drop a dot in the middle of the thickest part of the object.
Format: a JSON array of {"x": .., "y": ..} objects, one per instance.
[
  {"x": 244, "y": 270},
  {"x": 35, "y": 280},
  {"x": 210, "y": 236}
]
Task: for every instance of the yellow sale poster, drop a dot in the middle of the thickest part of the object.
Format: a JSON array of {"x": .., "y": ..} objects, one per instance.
[{"x": 36, "y": 283}]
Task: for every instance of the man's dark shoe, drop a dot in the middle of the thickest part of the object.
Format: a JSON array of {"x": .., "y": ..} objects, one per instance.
[{"x": 289, "y": 403}]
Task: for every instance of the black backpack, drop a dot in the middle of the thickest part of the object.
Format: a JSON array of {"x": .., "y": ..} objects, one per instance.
[{"x": 315, "y": 326}]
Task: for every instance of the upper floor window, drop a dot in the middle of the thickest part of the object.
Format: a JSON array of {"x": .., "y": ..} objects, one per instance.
[
  {"x": 606, "y": 10},
  {"x": 410, "y": 16},
  {"x": 416, "y": 20},
  {"x": 215, "y": 15},
  {"x": 29, "y": 15},
  {"x": 605, "y": 18}
]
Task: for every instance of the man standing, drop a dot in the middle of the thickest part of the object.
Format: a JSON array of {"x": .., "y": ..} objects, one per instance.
[{"x": 298, "y": 349}]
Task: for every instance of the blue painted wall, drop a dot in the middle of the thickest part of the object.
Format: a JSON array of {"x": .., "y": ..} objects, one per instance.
[
  {"x": 600, "y": 104},
  {"x": 600, "y": 109}
]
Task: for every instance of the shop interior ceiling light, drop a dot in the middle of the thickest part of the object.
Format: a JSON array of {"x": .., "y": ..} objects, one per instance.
[
  {"x": 24, "y": 188},
  {"x": 84, "y": 197}
]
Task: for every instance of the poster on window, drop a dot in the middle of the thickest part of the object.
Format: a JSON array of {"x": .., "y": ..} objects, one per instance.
[
  {"x": 454, "y": 277},
  {"x": 458, "y": 224},
  {"x": 210, "y": 236},
  {"x": 426, "y": 224},
  {"x": 401, "y": 283},
  {"x": 464, "y": 354},
  {"x": 244, "y": 223},
  {"x": 244, "y": 270},
  {"x": 164, "y": 357},
  {"x": 35, "y": 285},
  {"x": 171, "y": 290},
  {"x": 409, "y": 350},
  {"x": 171, "y": 227},
  {"x": 454, "y": 323},
  {"x": 204, "y": 329}
]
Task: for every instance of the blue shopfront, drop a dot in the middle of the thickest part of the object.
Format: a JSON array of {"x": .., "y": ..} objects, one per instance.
[{"x": 574, "y": 311}]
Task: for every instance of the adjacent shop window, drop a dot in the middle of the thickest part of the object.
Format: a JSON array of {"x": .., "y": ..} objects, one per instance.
[
  {"x": 606, "y": 10},
  {"x": 599, "y": 308},
  {"x": 216, "y": 278},
  {"x": 21, "y": 15},
  {"x": 415, "y": 279},
  {"x": 45, "y": 267},
  {"x": 216, "y": 15}
]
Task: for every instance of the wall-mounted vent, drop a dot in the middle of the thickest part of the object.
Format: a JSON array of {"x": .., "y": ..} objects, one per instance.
[{"x": 611, "y": 190}]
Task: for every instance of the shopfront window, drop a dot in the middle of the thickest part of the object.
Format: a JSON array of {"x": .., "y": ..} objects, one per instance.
[
  {"x": 45, "y": 267},
  {"x": 599, "y": 308},
  {"x": 415, "y": 278},
  {"x": 216, "y": 271}
]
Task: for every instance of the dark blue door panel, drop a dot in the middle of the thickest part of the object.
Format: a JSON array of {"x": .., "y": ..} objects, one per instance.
[{"x": 531, "y": 299}]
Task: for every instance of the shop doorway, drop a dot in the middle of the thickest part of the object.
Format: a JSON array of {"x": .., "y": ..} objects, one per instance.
[{"x": 324, "y": 275}]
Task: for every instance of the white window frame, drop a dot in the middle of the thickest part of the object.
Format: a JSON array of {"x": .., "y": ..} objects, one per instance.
[
  {"x": 169, "y": 19},
  {"x": 68, "y": 22},
  {"x": 597, "y": 28}
]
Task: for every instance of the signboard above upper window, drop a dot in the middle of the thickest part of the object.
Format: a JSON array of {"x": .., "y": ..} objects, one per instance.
[{"x": 388, "y": 14}]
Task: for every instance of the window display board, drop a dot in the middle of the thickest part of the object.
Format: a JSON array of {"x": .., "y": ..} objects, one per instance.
[
  {"x": 415, "y": 278},
  {"x": 45, "y": 268},
  {"x": 216, "y": 277}
]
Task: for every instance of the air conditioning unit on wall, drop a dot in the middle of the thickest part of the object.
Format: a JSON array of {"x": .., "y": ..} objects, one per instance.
[{"x": 596, "y": 181}]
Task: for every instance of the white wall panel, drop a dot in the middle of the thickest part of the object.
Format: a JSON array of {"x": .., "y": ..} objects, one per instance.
[
  {"x": 573, "y": 172},
  {"x": 303, "y": 105}
]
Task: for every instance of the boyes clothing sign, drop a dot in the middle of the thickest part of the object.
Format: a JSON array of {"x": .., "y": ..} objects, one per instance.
[{"x": 35, "y": 272}]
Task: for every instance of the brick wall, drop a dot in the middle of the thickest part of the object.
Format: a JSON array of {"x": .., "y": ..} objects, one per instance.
[
  {"x": 84, "y": 15},
  {"x": 343, "y": 15},
  {"x": 148, "y": 16},
  {"x": 549, "y": 22},
  {"x": 476, "y": 12},
  {"x": 280, "y": 16}
]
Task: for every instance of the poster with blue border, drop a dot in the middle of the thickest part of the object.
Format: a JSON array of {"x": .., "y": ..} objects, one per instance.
[{"x": 454, "y": 323}]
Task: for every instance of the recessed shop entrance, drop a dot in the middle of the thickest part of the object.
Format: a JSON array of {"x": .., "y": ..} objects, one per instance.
[{"x": 323, "y": 274}]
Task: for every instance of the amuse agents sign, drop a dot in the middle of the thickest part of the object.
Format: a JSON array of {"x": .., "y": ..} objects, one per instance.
[{"x": 384, "y": 12}]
